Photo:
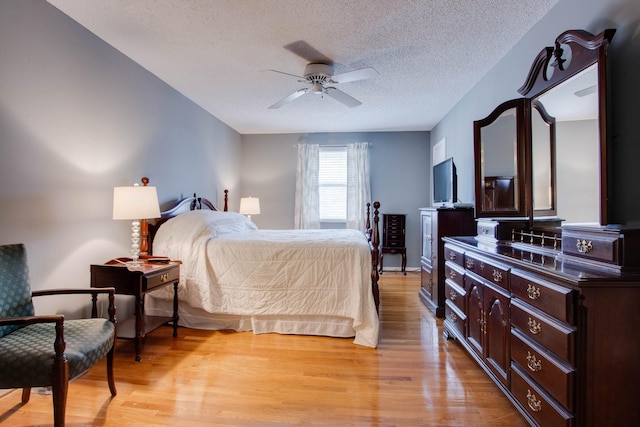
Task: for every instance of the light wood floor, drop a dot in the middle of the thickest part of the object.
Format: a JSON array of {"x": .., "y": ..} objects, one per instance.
[{"x": 207, "y": 378}]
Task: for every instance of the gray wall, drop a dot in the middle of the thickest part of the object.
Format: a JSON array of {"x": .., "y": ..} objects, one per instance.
[
  {"x": 78, "y": 118},
  {"x": 400, "y": 177},
  {"x": 502, "y": 82}
]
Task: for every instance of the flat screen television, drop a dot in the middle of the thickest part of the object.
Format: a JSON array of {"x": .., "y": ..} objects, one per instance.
[{"x": 445, "y": 183}]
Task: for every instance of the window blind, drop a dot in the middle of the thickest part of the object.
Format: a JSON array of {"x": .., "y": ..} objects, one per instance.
[{"x": 333, "y": 184}]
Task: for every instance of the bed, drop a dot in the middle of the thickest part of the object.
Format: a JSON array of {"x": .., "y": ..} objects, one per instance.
[{"x": 236, "y": 276}]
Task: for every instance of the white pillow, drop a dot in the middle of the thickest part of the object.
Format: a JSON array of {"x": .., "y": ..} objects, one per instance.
[{"x": 191, "y": 226}]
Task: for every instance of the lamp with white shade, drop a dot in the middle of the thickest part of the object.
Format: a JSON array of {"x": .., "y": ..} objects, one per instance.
[
  {"x": 249, "y": 206},
  {"x": 135, "y": 203}
]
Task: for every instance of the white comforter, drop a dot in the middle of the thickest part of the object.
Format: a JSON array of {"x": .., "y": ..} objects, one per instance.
[{"x": 230, "y": 267}]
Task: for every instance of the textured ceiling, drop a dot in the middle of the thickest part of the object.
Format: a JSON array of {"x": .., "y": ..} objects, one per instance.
[{"x": 428, "y": 53}]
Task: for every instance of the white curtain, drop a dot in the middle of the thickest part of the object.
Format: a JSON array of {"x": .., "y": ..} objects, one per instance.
[
  {"x": 358, "y": 185},
  {"x": 307, "y": 200}
]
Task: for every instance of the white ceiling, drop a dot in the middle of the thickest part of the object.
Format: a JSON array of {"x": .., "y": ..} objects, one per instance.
[{"x": 428, "y": 53}]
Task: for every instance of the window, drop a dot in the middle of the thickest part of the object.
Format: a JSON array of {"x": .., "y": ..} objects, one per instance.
[
  {"x": 332, "y": 181},
  {"x": 332, "y": 186}
]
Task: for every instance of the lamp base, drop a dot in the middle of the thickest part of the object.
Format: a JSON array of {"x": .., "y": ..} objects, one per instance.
[{"x": 135, "y": 265}]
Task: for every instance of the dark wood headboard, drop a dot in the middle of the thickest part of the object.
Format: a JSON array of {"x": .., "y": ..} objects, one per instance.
[{"x": 187, "y": 204}]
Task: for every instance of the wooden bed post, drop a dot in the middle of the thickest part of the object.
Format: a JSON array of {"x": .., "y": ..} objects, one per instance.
[
  {"x": 367, "y": 225},
  {"x": 375, "y": 255},
  {"x": 144, "y": 227},
  {"x": 226, "y": 200}
]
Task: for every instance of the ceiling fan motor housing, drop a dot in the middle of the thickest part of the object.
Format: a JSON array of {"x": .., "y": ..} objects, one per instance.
[{"x": 318, "y": 73}]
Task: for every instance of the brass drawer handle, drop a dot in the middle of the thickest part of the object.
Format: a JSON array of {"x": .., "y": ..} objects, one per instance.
[
  {"x": 533, "y": 292},
  {"x": 534, "y": 327},
  {"x": 452, "y": 274},
  {"x": 452, "y": 255},
  {"x": 469, "y": 263},
  {"x": 454, "y": 318},
  {"x": 164, "y": 277},
  {"x": 584, "y": 247},
  {"x": 533, "y": 363},
  {"x": 533, "y": 402},
  {"x": 485, "y": 230},
  {"x": 453, "y": 295},
  {"x": 497, "y": 276}
]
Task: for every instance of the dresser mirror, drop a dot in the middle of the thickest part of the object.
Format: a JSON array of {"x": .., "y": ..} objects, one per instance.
[
  {"x": 568, "y": 92},
  {"x": 543, "y": 160},
  {"x": 499, "y": 151}
]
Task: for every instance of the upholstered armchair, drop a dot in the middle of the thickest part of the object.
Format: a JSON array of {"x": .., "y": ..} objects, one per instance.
[{"x": 47, "y": 351}]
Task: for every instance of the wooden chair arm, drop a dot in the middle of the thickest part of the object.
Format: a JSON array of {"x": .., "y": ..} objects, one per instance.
[
  {"x": 94, "y": 293},
  {"x": 69, "y": 291},
  {"x": 29, "y": 320}
]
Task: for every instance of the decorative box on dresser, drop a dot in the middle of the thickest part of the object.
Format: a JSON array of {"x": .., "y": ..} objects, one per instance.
[
  {"x": 394, "y": 229},
  {"x": 435, "y": 223},
  {"x": 557, "y": 332}
]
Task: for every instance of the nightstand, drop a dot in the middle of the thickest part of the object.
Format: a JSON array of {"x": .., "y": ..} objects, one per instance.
[{"x": 138, "y": 281}]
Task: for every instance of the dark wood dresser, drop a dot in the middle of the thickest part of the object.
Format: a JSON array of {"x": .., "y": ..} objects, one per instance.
[
  {"x": 394, "y": 228},
  {"x": 436, "y": 223},
  {"x": 557, "y": 333}
]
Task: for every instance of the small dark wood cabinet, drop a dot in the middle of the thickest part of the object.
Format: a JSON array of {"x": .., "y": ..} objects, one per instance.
[
  {"x": 137, "y": 282},
  {"x": 393, "y": 238},
  {"x": 436, "y": 223}
]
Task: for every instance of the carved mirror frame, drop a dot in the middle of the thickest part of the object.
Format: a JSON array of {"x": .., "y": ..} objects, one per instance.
[
  {"x": 520, "y": 177},
  {"x": 574, "y": 52}
]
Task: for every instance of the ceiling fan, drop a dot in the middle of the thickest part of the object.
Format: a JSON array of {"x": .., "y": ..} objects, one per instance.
[{"x": 319, "y": 75}]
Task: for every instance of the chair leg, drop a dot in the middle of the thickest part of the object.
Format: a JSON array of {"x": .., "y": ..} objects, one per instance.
[
  {"x": 59, "y": 390},
  {"x": 26, "y": 394},
  {"x": 112, "y": 383}
]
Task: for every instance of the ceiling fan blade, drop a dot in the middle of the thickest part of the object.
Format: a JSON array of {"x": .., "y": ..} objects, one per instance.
[
  {"x": 288, "y": 74},
  {"x": 295, "y": 95},
  {"x": 352, "y": 76},
  {"x": 308, "y": 52},
  {"x": 340, "y": 96},
  {"x": 587, "y": 91}
]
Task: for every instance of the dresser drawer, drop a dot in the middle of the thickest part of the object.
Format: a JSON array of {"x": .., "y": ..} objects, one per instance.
[
  {"x": 556, "y": 377},
  {"x": 394, "y": 220},
  {"x": 394, "y": 242},
  {"x": 454, "y": 273},
  {"x": 555, "y": 300},
  {"x": 455, "y": 294},
  {"x": 426, "y": 278},
  {"x": 161, "y": 278},
  {"x": 537, "y": 403},
  {"x": 455, "y": 318},
  {"x": 454, "y": 254},
  {"x": 554, "y": 336},
  {"x": 606, "y": 247},
  {"x": 493, "y": 272}
]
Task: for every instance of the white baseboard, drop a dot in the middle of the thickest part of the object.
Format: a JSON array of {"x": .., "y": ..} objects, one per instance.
[{"x": 400, "y": 269}]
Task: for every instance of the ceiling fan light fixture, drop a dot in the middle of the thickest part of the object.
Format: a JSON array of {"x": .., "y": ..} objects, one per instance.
[{"x": 317, "y": 88}]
